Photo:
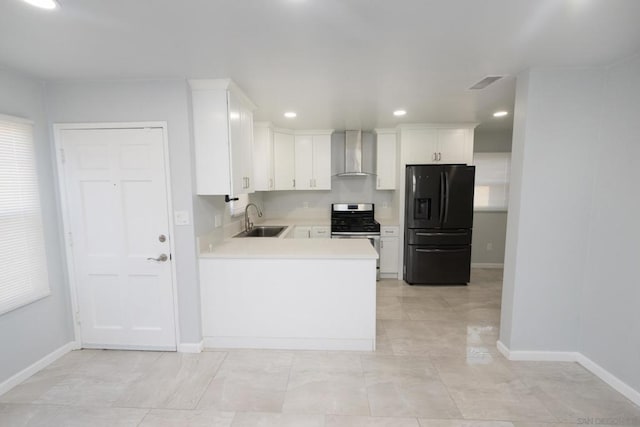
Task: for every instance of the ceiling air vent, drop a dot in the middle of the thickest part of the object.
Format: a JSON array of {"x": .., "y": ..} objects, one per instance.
[{"x": 485, "y": 82}]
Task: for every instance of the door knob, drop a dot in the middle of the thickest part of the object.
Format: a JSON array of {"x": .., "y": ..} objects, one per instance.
[
  {"x": 161, "y": 258},
  {"x": 162, "y": 238}
]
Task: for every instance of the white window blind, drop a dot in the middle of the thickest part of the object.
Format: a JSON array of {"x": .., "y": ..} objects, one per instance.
[
  {"x": 492, "y": 181},
  {"x": 23, "y": 263}
]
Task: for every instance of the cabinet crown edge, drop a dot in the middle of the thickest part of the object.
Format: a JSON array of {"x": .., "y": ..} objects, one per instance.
[{"x": 221, "y": 84}]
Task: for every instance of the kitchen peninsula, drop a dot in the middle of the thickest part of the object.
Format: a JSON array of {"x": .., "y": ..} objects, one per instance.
[{"x": 283, "y": 293}]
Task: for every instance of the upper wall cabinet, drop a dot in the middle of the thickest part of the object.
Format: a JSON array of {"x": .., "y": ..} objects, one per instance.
[
  {"x": 313, "y": 161},
  {"x": 386, "y": 159},
  {"x": 433, "y": 144},
  {"x": 284, "y": 160},
  {"x": 263, "y": 167},
  {"x": 223, "y": 134},
  {"x": 292, "y": 160}
]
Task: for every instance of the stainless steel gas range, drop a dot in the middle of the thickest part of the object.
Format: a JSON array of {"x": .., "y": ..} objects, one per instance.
[{"x": 356, "y": 221}]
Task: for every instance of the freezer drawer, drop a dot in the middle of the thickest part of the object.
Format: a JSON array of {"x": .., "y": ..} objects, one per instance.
[
  {"x": 438, "y": 237},
  {"x": 438, "y": 265}
]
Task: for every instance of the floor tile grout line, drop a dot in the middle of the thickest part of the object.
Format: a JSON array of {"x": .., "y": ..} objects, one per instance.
[
  {"x": 226, "y": 354},
  {"x": 143, "y": 418}
]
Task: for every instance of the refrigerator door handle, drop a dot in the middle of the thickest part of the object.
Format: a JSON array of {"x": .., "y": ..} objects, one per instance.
[
  {"x": 446, "y": 196},
  {"x": 441, "y": 217},
  {"x": 441, "y": 250},
  {"x": 440, "y": 234}
]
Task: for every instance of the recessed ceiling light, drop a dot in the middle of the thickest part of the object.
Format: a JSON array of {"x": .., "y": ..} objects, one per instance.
[
  {"x": 290, "y": 114},
  {"x": 500, "y": 113},
  {"x": 399, "y": 113},
  {"x": 43, "y": 4}
]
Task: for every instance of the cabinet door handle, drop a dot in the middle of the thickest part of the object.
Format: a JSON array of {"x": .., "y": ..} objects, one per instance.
[
  {"x": 378, "y": 182},
  {"x": 270, "y": 183},
  {"x": 435, "y": 157},
  {"x": 311, "y": 183},
  {"x": 248, "y": 182},
  {"x": 439, "y": 156},
  {"x": 294, "y": 183},
  {"x": 381, "y": 244}
]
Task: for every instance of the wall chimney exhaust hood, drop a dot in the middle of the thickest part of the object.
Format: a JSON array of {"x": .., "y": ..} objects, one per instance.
[{"x": 353, "y": 154}]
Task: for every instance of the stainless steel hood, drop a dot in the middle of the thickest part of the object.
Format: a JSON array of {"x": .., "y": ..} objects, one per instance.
[{"x": 353, "y": 154}]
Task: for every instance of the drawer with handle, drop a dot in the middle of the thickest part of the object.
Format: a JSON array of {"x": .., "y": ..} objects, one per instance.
[
  {"x": 389, "y": 231},
  {"x": 439, "y": 237}
]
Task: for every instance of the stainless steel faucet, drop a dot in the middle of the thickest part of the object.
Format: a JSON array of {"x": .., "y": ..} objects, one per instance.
[{"x": 248, "y": 225}]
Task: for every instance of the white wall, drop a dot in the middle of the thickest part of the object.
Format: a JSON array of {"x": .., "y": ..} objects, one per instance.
[
  {"x": 490, "y": 227},
  {"x": 156, "y": 100},
  {"x": 555, "y": 129},
  {"x": 573, "y": 237},
  {"x": 610, "y": 305},
  {"x": 489, "y": 230},
  {"x": 30, "y": 332}
]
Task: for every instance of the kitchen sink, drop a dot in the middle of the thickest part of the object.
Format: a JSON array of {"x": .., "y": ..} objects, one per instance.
[{"x": 263, "y": 231}]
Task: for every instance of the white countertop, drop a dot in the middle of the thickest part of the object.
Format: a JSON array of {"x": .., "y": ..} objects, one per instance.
[{"x": 281, "y": 248}]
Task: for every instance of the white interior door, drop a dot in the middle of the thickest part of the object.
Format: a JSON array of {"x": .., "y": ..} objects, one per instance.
[{"x": 118, "y": 214}]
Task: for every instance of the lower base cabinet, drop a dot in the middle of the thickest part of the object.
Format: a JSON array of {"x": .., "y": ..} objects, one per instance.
[
  {"x": 312, "y": 232},
  {"x": 389, "y": 249}
]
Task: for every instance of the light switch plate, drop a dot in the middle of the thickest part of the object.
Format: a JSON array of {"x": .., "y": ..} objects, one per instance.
[
  {"x": 217, "y": 221},
  {"x": 181, "y": 217}
]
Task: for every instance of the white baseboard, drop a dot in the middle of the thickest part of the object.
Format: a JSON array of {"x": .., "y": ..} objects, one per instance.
[
  {"x": 537, "y": 356},
  {"x": 291, "y": 343},
  {"x": 191, "y": 347},
  {"x": 47, "y": 360},
  {"x": 487, "y": 265},
  {"x": 569, "y": 356},
  {"x": 616, "y": 383}
]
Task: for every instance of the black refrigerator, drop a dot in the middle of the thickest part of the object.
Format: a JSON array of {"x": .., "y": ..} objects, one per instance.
[{"x": 438, "y": 223}]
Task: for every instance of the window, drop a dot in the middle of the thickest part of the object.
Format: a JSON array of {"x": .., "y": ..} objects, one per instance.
[
  {"x": 492, "y": 181},
  {"x": 23, "y": 263}
]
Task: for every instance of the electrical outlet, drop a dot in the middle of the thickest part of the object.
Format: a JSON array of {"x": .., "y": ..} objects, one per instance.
[
  {"x": 385, "y": 205},
  {"x": 489, "y": 246},
  {"x": 181, "y": 217},
  {"x": 217, "y": 221},
  {"x": 305, "y": 205}
]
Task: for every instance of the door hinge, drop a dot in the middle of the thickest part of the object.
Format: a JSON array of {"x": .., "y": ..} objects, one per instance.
[
  {"x": 170, "y": 257},
  {"x": 63, "y": 159},
  {"x": 70, "y": 239}
]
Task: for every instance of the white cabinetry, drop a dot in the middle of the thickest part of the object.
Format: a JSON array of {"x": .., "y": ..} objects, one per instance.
[
  {"x": 389, "y": 249},
  {"x": 312, "y": 232},
  {"x": 320, "y": 232},
  {"x": 427, "y": 144},
  {"x": 223, "y": 134},
  {"x": 313, "y": 161},
  {"x": 386, "y": 159},
  {"x": 263, "y": 164},
  {"x": 301, "y": 232},
  {"x": 284, "y": 161}
]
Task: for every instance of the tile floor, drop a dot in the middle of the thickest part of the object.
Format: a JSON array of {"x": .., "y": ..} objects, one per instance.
[{"x": 436, "y": 365}]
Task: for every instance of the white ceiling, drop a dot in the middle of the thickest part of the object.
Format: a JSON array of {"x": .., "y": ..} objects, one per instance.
[{"x": 337, "y": 63}]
